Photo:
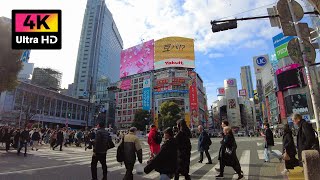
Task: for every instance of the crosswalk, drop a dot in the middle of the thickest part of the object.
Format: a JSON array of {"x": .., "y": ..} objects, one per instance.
[{"x": 197, "y": 170}]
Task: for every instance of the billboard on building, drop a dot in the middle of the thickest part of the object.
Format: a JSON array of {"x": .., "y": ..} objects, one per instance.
[
  {"x": 296, "y": 104},
  {"x": 259, "y": 63},
  {"x": 125, "y": 84},
  {"x": 174, "y": 52},
  {"x": 280, "y": 43},
  {"x": 137, "y": 59},
  {"x": 242, "y": 92},
  {"x": 221, "y": 91},
  {"x": 146, "y": 99},
  {"x": 193, "y": 99}
]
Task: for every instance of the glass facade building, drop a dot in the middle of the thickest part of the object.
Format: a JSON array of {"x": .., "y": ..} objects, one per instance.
[{"x": 99, "y": 49}]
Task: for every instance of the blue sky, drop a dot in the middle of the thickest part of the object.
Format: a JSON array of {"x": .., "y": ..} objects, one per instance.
[{"x": 218, "y": 55}]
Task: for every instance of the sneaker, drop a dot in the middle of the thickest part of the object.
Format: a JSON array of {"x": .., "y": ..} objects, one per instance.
[
  {"x": 220, "y": 176},
  {"x": 285, "y": 172},
  {"x": 199, "y": 161},
  {"x": 209, "y": 163},
  {"x": 37, "y": 149},
  {"x": 217, "y": 169},
  {"x": 240, "y": 176}
]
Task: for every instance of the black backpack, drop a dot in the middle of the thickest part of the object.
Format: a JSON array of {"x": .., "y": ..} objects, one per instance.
[
  {"x": 120, "y": 152},
  {"x": 158, "y": 138}
]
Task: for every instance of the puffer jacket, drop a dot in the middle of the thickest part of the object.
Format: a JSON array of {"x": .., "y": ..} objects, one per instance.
[
  {"x": 132, "y": 149},
  {"x": 100, "y": 145}
]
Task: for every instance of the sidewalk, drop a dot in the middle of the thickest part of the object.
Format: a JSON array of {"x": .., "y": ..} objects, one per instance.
[{"x": 296, "y": 174}]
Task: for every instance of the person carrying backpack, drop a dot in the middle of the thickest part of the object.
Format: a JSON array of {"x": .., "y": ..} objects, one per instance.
[
  {"x": 204, "y": 144},
  {"x": 154, "y": 141}
]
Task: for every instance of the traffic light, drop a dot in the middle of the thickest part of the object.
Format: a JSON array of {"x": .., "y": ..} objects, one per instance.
[{"x": 222, "y": 26}]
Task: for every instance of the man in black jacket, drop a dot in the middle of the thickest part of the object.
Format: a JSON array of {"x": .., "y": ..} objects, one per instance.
[
  {"x": 306, "y": 138},
  {"x": 100, "y": 151},
  {"x": 203, "y": 144},
  {"x": 24, "y": 139},
  {"x": 269, "y": 142},
  {"x": 166, "y": 161},
  {"x": 59, "y": 139}
]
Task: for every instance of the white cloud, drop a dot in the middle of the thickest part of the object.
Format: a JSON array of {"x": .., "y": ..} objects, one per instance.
[{"x": 216, "y": 55}]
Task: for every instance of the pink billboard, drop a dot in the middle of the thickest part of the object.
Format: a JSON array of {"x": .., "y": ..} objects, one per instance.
[
  {"x": 287, "y": 68},
  {"x": 137, "y": 59},
  {"x": 125, "y": 84}
]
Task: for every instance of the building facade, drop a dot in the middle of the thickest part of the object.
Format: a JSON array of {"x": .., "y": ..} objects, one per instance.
[
  {"x": 47, "y": 78},
  {"x": 246, "y": 81},
  {"x": 34, "y": 104},
  {"x": 99, "y": 49}
]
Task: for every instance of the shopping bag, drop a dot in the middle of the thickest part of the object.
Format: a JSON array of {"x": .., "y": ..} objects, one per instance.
[
  {"x": 286, "y": 156},
  {"x": 139, "y": 169}
]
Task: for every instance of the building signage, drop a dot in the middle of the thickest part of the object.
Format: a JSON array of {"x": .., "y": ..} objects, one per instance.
[
  {"x": 287, "y": 68},
  {"x": 174, "y": 52},
  {"x": 220, "y": 91},
  {"x": 125, "y": 84},
  {"x": 146, "y": 95},
  {"x": 261, "y": 61},
  {"x": 193, "y": 99},
  {"x": 171, "y": 91},
  {"x": 231, "y": 82},
  {"x": 232, "y": 103},
  {"x": 280, "y": 43},
  {"x": 137, "y": 59},
  {"x": 242, "y": 92}
]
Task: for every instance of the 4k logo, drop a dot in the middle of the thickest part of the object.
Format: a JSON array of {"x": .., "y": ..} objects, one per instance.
[{"x": 36, "y": 29}]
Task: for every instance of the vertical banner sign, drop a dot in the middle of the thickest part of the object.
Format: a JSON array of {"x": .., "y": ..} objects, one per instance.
[
  {"x": 146, "y": 95},
  {"x": 193, "y": 96}
]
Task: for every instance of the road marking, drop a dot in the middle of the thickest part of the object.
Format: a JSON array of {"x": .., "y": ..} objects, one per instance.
[
  {"x": 259, "y": 144},
  {"x": 35, "y": 169},
  {"x": 244, "y": 160},
  {"x": 212, "y": 172},
  {"x": 261, "y": 154}
]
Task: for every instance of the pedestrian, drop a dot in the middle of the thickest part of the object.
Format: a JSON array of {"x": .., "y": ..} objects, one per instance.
[
  {"x": 16, "y": 138},
  {"x": 132, "y": 149},
  {"x": 66, "y": 137},
  {"x": 224, "y": 124},
  {"x": 204, "y": 143},
  {"x": 290, "y": 149},
  {"x": 184, "y": 150},
  {"x": 53, "y": 138},
  {"x": 229, "y": 154},
  {"x": 269, "y": 142},
  {"x": 166, "y": 161},
  {"x": 92, "y": 137},
  {"x": 35, "y": 139},
  {"x": 24, "y": 139},
  {"x": 6, "y": 138},
  {"x": 306, "y": 137},
  {"x": 153, "y": 141},
  {"x": 100, "y": 151},
  {"x": 59, "y": 140}
]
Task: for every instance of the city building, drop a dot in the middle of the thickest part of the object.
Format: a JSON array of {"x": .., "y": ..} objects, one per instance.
[
  {"x": 47, "y": 78},
  {"x": 26, "y": 72},
  {"x": 32, "y": 104},
  {"x": 246, "y": 81},
  {"x": 158, "y": 71},
  {"x": 99, "y": 50}
]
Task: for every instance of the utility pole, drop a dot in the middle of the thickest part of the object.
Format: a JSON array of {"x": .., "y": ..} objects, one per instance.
[
  {"x": 305, "y": 62},
  {"x": 89, "y": 99}
]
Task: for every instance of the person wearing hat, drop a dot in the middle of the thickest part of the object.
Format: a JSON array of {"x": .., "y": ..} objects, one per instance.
[{"x": 132, "y": 150}]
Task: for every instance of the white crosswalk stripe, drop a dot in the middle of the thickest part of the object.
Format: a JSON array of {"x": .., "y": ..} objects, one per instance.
[{"x": 197, "y": 170}]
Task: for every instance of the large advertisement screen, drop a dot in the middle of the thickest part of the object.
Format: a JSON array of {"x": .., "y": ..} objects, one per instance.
[
  {"x": 137, "y": 59},
  {"x": 174, "y": 52},
  {"x": 296, "y": 104}
]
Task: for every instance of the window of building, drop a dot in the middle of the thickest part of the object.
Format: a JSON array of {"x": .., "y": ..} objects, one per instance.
[
  {"x": 120, "y": 101},
  {"x": 134, "y": 111},
  {"x": 125, "y": 100},
  {"x": 124, "y": 112},
  {"x": 130, "y": 93},
  {"x": 141, "y": 85},
  {"x": 135, "y": 93},
  {"x": 125, "y": 94},
  {"x": 140, "y": 91},
  {"x": 129, "y": 118},
  {"x": 129, "y": 99},
  {"x": 129, "y": 112},
  {"x": 135, "y": 86},
  {"x": 119, "y": 113},
  {"x": 129, "y": 105},
  {"x": 120, "y": 95},
  {"x": 141, "y": 79},
  {"x": 119, "y": 119},
  {"x": 135, "y": 81},
  {"x": 125, "y": 106},
  {"x": 140, "y": 104},
  {"x": 140, "y": 98},
  {"x": 135, "y": 99}
]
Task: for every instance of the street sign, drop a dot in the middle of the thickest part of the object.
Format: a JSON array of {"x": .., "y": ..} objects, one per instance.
[
  {"x": 274, "y": 21},
  {"x": 295, "y": 52},
  {"x": 285, "y": 16},
  {"x": 85, "y": 93}
]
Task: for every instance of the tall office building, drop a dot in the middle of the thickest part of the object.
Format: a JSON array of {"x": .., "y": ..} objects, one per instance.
[
  {"x": 246, "y": 80},
  {"x": 99, "y": 49}
]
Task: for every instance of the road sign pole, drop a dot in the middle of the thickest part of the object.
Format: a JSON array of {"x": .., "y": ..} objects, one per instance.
[{"x": 306, "y": 64}]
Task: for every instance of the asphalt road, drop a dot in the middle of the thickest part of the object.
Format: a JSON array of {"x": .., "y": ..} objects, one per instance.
[{"x": 73, "y": 163}]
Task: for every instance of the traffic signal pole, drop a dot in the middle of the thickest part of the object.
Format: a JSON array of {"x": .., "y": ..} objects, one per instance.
[{"x": 305, "y": 62}]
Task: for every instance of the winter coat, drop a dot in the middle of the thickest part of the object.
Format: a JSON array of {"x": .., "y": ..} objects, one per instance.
[
  {"x": 166, "y": 161},
  {"x": 203, "y": 142},
  {"x": 184, "y": 151},
  {"x": 269, "y": 141},
  {"x": 305, "y": 137},
  {"x": 154, "y": 147},
  {"x": 24, "y": 136},
  {"x": 230, "y": 143},
  {"x": 6, "y": 137},
  {"x": 35, "y": 136},
  {"x": 60, "y": 136},
  {"x": 102, "y": 137},
  {"x": 289, "y": 147},
  {"x": 132, "y": 148}
]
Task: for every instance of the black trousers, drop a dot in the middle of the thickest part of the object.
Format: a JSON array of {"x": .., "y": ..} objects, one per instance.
[
  {"x": 129, "y": 168},
  {"x": 101, "y": 157},
  {"x": 7, "y": 145},
  {"x": 236, "y": 166},
  {"x": 186, "y": 176},
  {"x": 23, "y": 144},
  {"x": 58, "y": 143},
  {"x": 207, "y": 154}
]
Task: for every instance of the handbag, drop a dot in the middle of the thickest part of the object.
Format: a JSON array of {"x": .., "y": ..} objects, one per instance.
[
  {"x": 228, "y": 151},
  {"x": 120, "y": 152},
  {"x": 110, "y": 144},
  {"x": 286, "y": 156}
]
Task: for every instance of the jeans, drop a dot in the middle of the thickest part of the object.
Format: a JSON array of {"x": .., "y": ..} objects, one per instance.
[
  {"x": 267, "y": 152},
  {"x": 164, "y": 177},
  {"x": 101, "y": 157}
]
